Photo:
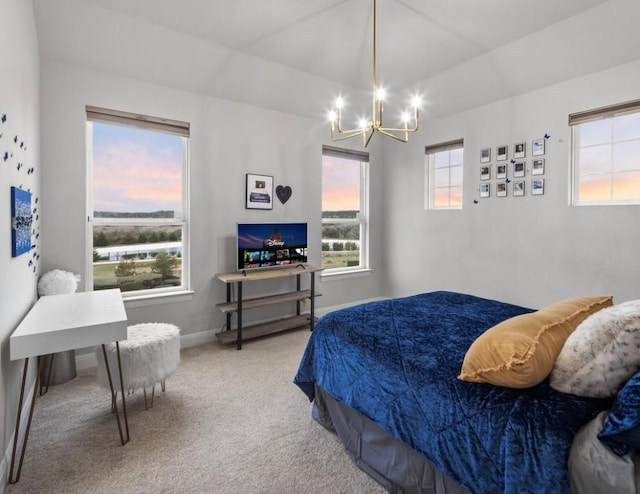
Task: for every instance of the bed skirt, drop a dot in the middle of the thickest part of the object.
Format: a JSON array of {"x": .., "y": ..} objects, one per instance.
[{"x": 389, "y": 461}]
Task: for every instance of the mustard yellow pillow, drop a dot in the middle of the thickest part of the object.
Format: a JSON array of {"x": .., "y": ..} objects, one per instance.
[{"x": 520, "y": 352}]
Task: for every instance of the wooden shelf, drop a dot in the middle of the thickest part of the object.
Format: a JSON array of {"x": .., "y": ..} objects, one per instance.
[
  {"x": 251, "y": 303},
  {"x": 266, "y": 274},
  {"x": 237, "y": 307},
  {"x": 265, "y": 328}
]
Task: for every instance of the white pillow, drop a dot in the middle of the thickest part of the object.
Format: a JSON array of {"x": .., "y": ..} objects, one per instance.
[{"x": 601, "y": 354}]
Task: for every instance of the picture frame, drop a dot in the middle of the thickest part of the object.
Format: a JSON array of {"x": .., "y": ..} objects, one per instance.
[
  {"x": 502, "y": 153},
  {"x": 518, "y": 188},
  {"x": 485, "y": 172},
  {"x": 537, "y": 167},
  {"x": 537, "y": 186},
  {"x": 519, "y": 150},
  {"x": 259, "y": 191},
  {"x": 537, "y": 147},
  {"x": 501, "y": 189},
  {"x": 501, "y": 170},
  {"x": 485, "y": 155},
  {"x": 518, "y": 169},
  {"x": 485, "y": 190},
  {"x": 21, "y": 221}
]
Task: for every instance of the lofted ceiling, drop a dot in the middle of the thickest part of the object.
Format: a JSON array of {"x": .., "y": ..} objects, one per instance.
[{"x": 297, "y": 55}]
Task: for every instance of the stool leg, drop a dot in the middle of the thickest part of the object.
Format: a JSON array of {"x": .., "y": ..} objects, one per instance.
[{"x": 162, "y": 385}]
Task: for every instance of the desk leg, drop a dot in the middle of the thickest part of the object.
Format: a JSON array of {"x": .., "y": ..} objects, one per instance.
[
  {"x": 12, "y": 479},
  {"x": 114, "y": 395}
]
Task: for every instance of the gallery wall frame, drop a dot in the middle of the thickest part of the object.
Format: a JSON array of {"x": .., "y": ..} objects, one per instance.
[
  {"x": 502, "y": 153},
  {"x": 537, "y": 147},
  {"x": 518, "y": 188},
  {"x": 485, "y": 190},
  {"x": 485, "y": 155},
  {"x": 537, "y": 167},
  {"x": 537, "y": 186}
]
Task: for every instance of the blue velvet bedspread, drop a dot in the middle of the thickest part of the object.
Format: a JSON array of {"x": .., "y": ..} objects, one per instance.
[{"x": 397, "y": 361}]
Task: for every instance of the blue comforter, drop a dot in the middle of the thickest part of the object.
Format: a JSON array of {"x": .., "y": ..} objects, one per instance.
[{"x": 397, "y": 361}]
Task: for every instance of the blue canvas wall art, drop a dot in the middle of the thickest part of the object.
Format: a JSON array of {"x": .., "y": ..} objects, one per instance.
[{"x": 21, "y": 219}]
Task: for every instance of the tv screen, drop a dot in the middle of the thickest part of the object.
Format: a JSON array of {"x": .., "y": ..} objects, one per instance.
[{"x": 268, "y": 245}]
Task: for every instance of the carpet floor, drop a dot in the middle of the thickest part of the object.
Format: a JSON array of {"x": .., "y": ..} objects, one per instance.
[{"x": 229, "y": 422}]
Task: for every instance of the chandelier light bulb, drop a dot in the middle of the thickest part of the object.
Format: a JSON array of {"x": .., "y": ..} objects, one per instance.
[
  {"x": 332, "y": 116},
  {"x": 363, "y": 124},
  {"x": 339, "y": 103},
  {"x": 381, "y": 94}
]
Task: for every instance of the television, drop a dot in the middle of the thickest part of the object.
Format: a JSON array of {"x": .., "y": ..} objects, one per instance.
[{"x": 271, "y": 245}]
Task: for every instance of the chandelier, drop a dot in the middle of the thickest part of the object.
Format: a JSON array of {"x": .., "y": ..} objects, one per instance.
[{"x": 366, "y": 128}]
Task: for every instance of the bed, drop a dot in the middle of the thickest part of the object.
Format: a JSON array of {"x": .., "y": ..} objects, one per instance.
[{"x": 385, "y": 376}]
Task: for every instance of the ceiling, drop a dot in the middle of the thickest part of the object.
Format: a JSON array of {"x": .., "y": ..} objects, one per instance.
[{"x": 296, "y": 55}]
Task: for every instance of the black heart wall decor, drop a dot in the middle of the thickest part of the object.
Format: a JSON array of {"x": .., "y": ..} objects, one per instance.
[{"x": 283, "y": 192}]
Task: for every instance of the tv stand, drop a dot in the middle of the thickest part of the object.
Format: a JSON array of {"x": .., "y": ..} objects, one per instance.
[{"x": 294, "y": 321}]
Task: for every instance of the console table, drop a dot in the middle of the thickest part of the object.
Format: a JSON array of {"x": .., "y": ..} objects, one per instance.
[
  {"x": 298, "y": 320},
  {"x": 57, "y": 323}
]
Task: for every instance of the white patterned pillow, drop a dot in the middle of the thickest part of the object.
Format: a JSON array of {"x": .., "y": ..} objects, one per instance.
[{"x": 601, "y": 354}]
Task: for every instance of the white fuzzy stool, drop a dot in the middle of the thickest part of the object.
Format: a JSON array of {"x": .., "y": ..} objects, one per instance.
[{"x": 149, "y": 355}]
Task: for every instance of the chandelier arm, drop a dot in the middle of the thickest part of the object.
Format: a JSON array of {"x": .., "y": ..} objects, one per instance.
[
  {"x": 348, "y": 134},
  {"x": 365, "y": 141},
  {"x": 393, "y": 136}
]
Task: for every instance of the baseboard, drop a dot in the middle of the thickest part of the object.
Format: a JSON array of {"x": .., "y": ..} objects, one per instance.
[{"x": 88, "y": 360}]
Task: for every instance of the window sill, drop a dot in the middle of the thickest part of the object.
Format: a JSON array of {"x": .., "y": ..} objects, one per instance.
[
  {"x": 157, "y": 298},
  {"x": 342, "y": 275}
]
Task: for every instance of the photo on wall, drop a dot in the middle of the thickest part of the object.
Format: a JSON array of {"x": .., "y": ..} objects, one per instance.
[
  {"x": 485, "y": 172},
  {"x": 518, "y": 188},
  {"x": 485, "y": 155},
  {"x": 537, "y": 167},
  {"x": 501, "y": 153},
  {"x": 485, "y": 190},
  {"x": 259, "y": 191},
  {"x": 537, "y": 186}
]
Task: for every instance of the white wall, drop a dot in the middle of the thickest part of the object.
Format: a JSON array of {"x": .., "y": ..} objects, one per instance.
[
  {"x": 228, "y": 140},
  {"x": 19, "y": 101},
  {"x": 526, "y": 250}
]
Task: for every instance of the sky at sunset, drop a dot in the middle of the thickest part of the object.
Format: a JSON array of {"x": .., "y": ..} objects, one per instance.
[
  {"x": 608, "y": 155},
  {"x": 340, "y": 184},
  {"x": 136, "y": 170}
]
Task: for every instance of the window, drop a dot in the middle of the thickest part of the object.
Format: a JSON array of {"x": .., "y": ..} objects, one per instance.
[
  {"x": 444, "y": 175},
  {"x": 137, "y": 202},
  {"x": 606, "y": 155},
  {"x": 345, "y": 206}
]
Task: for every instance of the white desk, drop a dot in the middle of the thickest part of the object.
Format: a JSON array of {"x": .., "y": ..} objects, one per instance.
[{"x": 57, "y": 323}]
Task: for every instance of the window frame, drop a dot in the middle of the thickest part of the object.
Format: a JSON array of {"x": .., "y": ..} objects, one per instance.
[
  {"x": 155, "y": 124},
  {"x": 610, "y": 112},
  {"x": 430, "y": 152},
  {"x": 362, "y": 218}
]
